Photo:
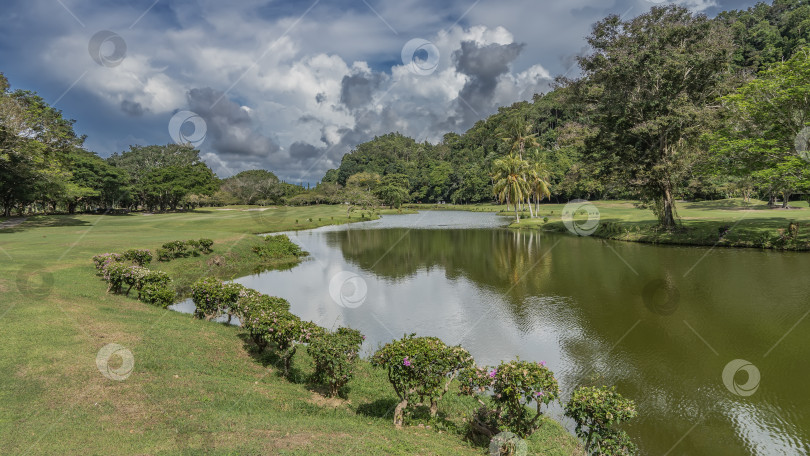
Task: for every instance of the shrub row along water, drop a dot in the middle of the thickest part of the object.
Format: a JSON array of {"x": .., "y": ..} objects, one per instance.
[
  {"x": 422, "y": 370},
  {"x": 126, "y": 271}
]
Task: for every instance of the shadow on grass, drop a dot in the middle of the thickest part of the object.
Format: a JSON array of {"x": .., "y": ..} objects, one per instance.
[
  {"x": 380, "y": 408},
  {"x": 270, "y": 358}
]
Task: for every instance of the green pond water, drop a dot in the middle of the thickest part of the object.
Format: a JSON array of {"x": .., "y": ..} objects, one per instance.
[{"x": 660, "y": 323}]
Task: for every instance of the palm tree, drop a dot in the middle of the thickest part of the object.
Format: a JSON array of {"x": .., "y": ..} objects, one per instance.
[
  {"x": 509, "y": 177},
  {"x": 518, "y": 134},
  {"x": 539, "y": 187}
]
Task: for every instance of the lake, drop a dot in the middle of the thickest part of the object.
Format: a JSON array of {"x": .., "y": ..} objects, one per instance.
[{"x": 712, "y": 344}]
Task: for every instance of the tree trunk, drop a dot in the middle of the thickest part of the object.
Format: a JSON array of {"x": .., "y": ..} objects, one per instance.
[
  {"x": 531, "y": 210},
  {"x": 667, "y": 212},
  {"x": 785, "y": 199},
  {"x": 399, "y": 414}
]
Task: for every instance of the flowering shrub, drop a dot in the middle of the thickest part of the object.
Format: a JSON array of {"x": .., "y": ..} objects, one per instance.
[
  {"x": 141, "y": 257},
  {"x": 250, "y": 300},
  {"x": 595, "y": 410},
  {"x": 335, "y": 355},
  {"x": 101, "y": 260},
  {"x": 194, "y": 247},
  {"x": 282, "y": 329},
  {"x": 514, "y": 386},
  {"x": 113, "y": 272},
  {"x": 214, "y": 298},
  {"x": 420, "y": 369},
  {"x": 279, "y": 246},
  {"x": 132, "y": 277}
]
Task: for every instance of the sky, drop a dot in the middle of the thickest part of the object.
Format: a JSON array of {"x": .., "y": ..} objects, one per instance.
[{"x": 292, "y": 86}]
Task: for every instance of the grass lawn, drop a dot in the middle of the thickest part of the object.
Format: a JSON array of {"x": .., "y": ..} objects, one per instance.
[
  {"x": 196, "y": 387},
  {"x": 751, "y": 224}
]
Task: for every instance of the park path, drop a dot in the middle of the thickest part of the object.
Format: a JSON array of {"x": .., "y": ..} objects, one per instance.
[{"x": 12, "y": 222}]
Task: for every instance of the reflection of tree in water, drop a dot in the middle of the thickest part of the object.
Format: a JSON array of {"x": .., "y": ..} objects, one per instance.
[{"x": 501, "y": 260}]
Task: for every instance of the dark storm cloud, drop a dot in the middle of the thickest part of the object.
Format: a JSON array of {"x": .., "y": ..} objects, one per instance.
[
  {"x": 132, "y": 108},
  {"x": 231, "y": 131},
  {"x": 484, "y": 65},
  {"x": 320, "y": 97},
  {"x": 356, "y": 90}
]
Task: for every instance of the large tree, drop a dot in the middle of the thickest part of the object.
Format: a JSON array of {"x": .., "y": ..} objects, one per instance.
[
  {"x": 646, "y": 87},
  {"x": 767, "y": 133}
]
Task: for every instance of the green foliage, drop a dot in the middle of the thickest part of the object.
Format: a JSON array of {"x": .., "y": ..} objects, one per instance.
[
  {"x": 596, "y": 411},
  {"x": 281, "y": 329},
  {"x": 334, "y": 355},
  {"x": 156, "y": 294},
  {"x": 113, "y": 272},
  {"x": 420, "y": 369},
  {"x": 103, "y": 259},
  {"x": 205, "y": 245},
  {"x": 514, "y": 386},
  {"x": 141, "y": 257},
  {"x": 278, "y": 246},
  {"x": 213, "y": 298},
  {"x": 164, "y": 254},
  {"x": 675, "y": 63}
]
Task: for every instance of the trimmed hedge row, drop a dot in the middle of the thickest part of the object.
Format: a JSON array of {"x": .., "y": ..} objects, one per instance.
[
  {"x": 422, "y": 370},
  {"x": 182, "y": 249},
  {"x": 153, "y": 287}
]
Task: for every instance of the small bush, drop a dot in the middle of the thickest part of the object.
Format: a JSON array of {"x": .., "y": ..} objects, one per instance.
[
  {"x": 164, "y": 255},
  {"x": 335, "y": 355},
  {"x": 113, "y": 272},
  {"x": 102, "y": 260},
  {"x": 213, "y": 298},
  {"x": 514, "y": 386},
  {"x": 156, "y": 294},
  {"x": 205, "y": 245},
  {"x": 596, "y": 410},
  {"x": 132, "y": 276},
  {"x": 420, "y": 369},
  {"x": 282, "y": 329},
  {"x": 250, "y": 300},
  {"x": 178, "y": 249},
  {"x": 279, "y": 246},
  {"x": 141, "y": 257},
  {"x": 193, "y": 247}
]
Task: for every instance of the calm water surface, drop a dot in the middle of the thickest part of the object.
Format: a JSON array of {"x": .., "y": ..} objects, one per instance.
[{"x": 660, "y": 323}]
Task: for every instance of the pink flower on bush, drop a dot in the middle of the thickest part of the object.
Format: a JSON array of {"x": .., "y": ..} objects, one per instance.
[
  {"x": 542, "y": 363},
  {"x": 406, "y": 362},
  {"x": 493, "y": 373}
]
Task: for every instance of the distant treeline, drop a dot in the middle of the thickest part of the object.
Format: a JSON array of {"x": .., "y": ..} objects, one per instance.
[{"x": 669, "y": 105}]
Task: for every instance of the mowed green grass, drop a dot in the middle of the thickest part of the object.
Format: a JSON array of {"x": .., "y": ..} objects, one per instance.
[
  {"x": 196, "y": 387},
  {"x": 750, "y": 222}
]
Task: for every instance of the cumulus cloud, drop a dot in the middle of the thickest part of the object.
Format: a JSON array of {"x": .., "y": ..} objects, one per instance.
[{"x": 292, "y": 89}]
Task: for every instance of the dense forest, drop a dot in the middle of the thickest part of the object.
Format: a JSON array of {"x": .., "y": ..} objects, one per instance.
[{"x": 669, "y": 105}]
